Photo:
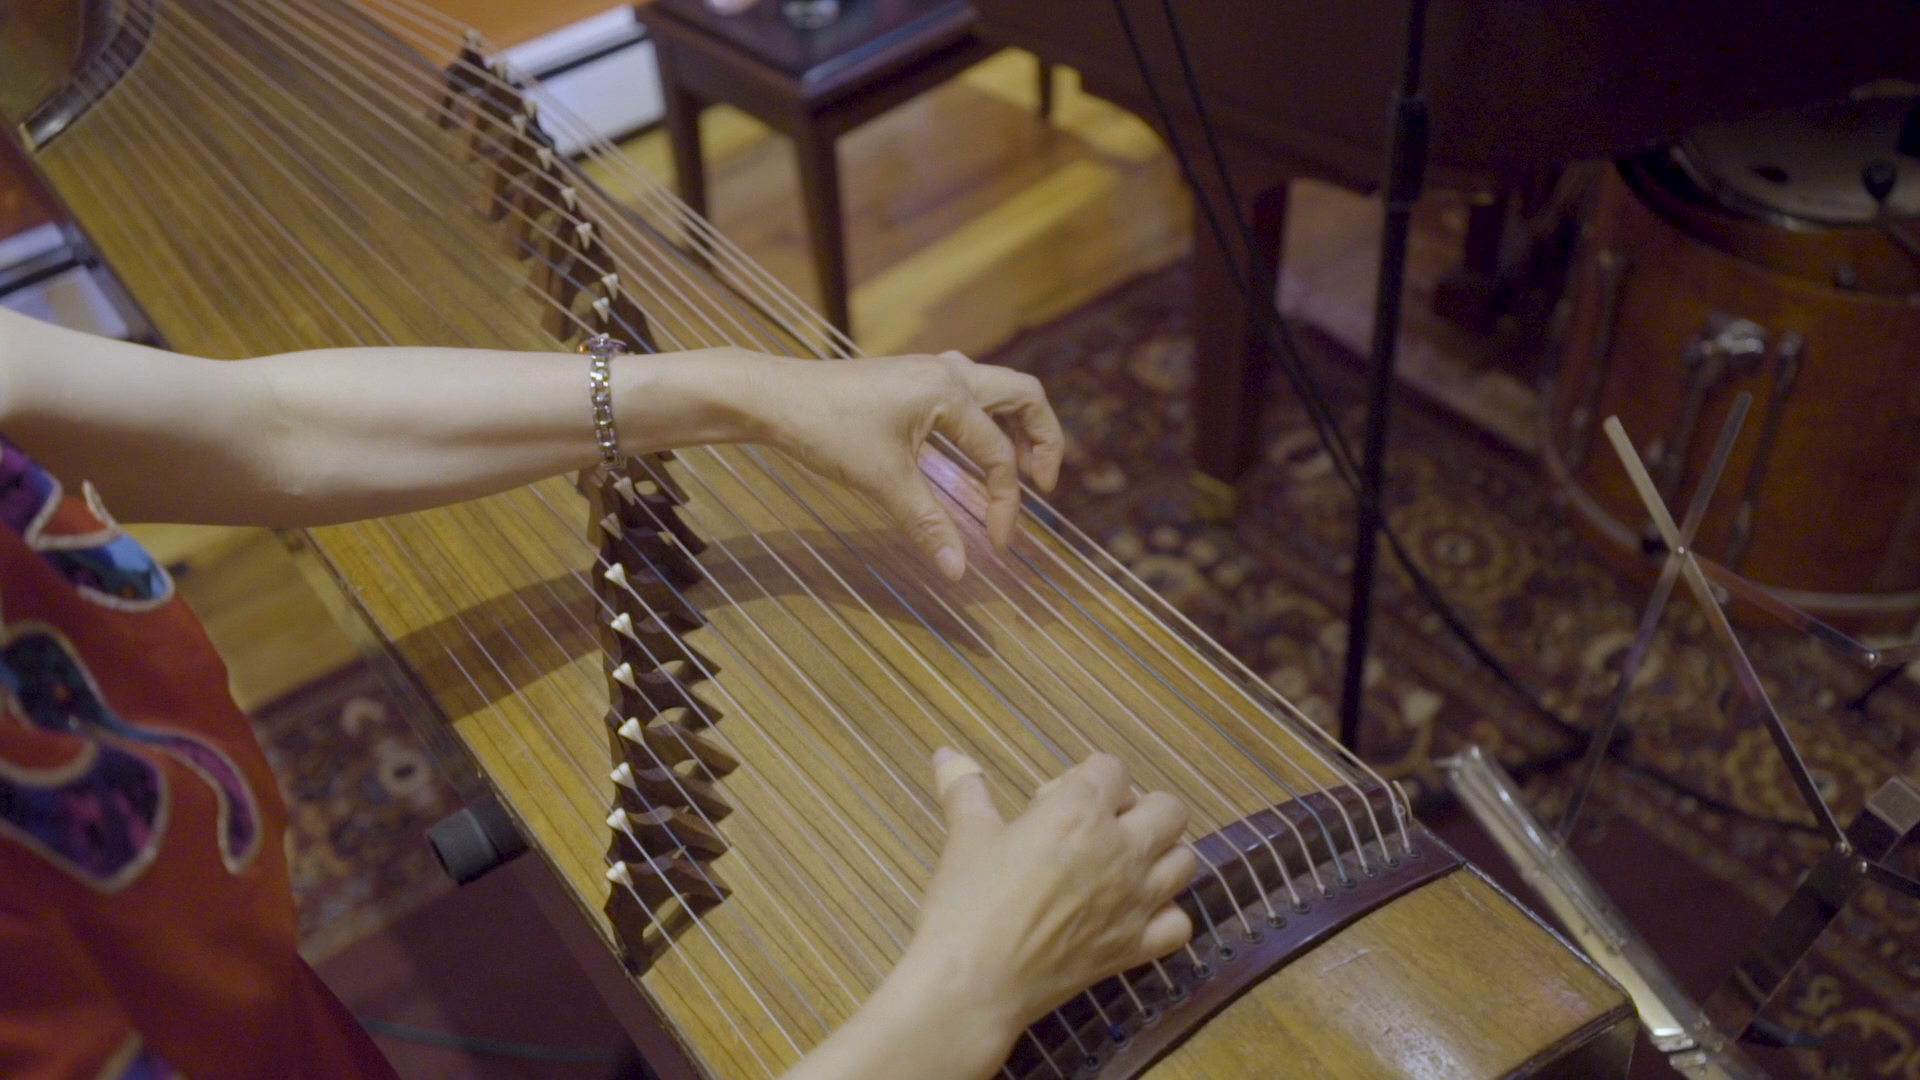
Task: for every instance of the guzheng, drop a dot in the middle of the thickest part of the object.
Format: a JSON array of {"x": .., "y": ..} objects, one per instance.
[{"x": 706, "y": 686}]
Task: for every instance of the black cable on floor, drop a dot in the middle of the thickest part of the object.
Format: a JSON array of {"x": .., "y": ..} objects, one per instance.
[{"x": 1278, "y": 335}]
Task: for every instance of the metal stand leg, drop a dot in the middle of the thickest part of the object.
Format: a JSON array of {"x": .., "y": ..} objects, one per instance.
[
  {"x": 1406, "y": 168},
  {"x": 1890, "y": 817}
]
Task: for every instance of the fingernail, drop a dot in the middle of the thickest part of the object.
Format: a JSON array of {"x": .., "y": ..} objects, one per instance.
[{"x": 951, "y": 562}]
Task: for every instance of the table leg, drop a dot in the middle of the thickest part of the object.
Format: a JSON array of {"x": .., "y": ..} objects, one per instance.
[
  {"x": 683, "y": 109},
  {"x": 1230, "y": 354},
  {"x": 820, "y": 193}
]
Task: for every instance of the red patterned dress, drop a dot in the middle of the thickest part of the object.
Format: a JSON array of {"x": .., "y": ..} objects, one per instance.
[{"x": 146, "y": 923}]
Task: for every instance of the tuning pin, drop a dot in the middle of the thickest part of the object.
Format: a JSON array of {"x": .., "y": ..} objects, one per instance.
[
  {"x": 624, "y": 676},
  {"x": 617, "y": 573}
]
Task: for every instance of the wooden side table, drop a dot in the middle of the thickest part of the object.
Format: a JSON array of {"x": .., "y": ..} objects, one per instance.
[{"x": 811, "y": 85}]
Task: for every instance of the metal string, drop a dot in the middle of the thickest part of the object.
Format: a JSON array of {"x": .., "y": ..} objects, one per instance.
[
  {"x": 229, "y": 324},
  {"x": 823, "y": 697},
  {"x": 703, "y": 481},
  {"x": 233, "y": 331},
  {"x": 1232, "y": 814},
  {"x": 1216, "y": 754}
]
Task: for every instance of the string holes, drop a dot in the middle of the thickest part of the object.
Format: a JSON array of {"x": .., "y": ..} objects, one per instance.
[
  {"x": 1254, "y": 936},
  {"x": 1117, "y": 1034},
  {"x": 1176, "y": 995},
  {"x": 1348, "y": 883},
  {"x": 1371, "y": 870},
  {"x": 1090, "y": 1063},
  {"x": 1300, "y": 907},
  {"x": 1150, "y": 1017},
  {"x": 1393, "y": 863},
  {"x": 1225, "y": 953},
  {"x": 1413, "y": 853},
  {"x": 1276, "y": 920},
  {"x": 1204, "y": 972}
]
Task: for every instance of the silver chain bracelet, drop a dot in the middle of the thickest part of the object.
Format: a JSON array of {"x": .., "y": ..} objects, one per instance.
[{"x": 600, "y": 349}]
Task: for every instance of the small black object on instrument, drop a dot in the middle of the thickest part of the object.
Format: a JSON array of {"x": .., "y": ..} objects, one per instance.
[{"x": 472, "y": 842}]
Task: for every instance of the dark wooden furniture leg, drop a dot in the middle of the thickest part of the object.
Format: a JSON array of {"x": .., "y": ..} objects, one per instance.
[
  {"x": 1468, "y": 293},
  {"x": 683, "y": 110},
  {"x": 820, "y": 192},
  {"x": 1046, "y": 87},
  {"x": 1230, "y": 356}
]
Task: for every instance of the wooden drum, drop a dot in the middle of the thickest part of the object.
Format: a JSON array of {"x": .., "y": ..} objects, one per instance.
[{"x": 1682, "y": 302}]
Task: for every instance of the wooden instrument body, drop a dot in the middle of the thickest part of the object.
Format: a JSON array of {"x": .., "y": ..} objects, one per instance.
[
  {"x": 1835, "y": 510},
  {"x": 256, "y": 196}
]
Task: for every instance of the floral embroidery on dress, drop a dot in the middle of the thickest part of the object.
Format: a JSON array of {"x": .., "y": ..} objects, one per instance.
[
  {"x": 78, "y": 538},
  {"x": 51, "y": 688}
]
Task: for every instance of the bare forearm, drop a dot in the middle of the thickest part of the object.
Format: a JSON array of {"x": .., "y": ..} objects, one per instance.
[
  {"x": 371, "y": 432},
  {"x": 335, "y": 435}
]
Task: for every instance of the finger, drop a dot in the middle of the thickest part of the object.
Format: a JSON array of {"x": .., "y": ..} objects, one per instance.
[
  {"x": 983, "y": 441},
  {"x": 1020, "y": 397},
  {"x": 963, "y": 792},
  {"x": 1053, "y": 785},
  {"x": 1171, "y": 873},
  {"x": 1022, "y": 446},
  {"x": 1169, "y": 929},
  {"x": 917, "y": 510},
  {"x": 1105, "y": 778},
  {"x": 1155, "y": 822}
]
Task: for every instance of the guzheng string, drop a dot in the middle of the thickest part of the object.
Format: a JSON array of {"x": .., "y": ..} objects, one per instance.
[
  {"x": 649, "y": 190},
  {"x": 586, "y": 823},
  {"x": 647, "y": 256}
]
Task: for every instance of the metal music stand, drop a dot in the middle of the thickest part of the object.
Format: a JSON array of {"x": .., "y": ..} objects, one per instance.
[{"x": 1699, "y": 1039}]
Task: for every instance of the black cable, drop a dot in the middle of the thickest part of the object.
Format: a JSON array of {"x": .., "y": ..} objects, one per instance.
[{"x": 1286, "y": 353}]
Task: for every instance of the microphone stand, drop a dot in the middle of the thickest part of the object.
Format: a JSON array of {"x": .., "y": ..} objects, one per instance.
[{"x": 1405, "y": 174}]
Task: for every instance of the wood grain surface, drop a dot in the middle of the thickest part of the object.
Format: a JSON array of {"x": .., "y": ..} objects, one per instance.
[{"x": 270, "y": 177}]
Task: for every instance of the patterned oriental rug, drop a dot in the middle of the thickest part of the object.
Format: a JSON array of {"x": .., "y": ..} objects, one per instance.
[
  {"x": 361, "y": 790},
  {"x": 1699, "y": 840}
]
